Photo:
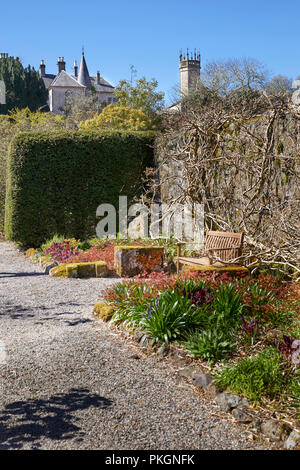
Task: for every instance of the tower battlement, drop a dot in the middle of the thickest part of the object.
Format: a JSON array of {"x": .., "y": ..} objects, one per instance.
[{"x": 190, "y": 66}]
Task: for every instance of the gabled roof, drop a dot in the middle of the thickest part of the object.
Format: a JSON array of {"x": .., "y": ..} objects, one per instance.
[
  {"x": 63, "y": 79},
  {"x": 83, "y": 76}
]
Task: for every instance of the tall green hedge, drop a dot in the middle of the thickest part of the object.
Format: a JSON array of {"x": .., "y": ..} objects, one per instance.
[{"x": 56, "y": 181}]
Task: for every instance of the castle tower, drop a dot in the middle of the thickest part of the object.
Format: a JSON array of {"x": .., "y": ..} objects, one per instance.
[{"x": 189, "y": 72}]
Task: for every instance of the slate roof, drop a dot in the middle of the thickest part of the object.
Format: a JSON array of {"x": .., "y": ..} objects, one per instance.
[
  {"x": 63, "y": 79},
  {"x": 83, "y": 75},
  {"x": 104, "y": 85},
  {"x": 48, "y": 79}
]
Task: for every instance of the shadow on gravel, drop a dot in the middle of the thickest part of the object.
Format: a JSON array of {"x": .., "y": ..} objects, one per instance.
[
  {"x": 19, "y": 311},
  {"x": 7, "y": 275},
  {"x": 28, "y": 422},
  {"x": 26, "y": 312}
]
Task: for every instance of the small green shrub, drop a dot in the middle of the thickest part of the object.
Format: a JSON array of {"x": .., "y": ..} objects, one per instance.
[
  {"x": 171, "y": 315},
  {"x": 254, "y": 377},
  {"x": 227, "y": 306},
  {"x": 211, "y": 345}
]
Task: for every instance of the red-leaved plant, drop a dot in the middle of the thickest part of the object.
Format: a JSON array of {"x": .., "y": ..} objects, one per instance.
[{"x": 61, "y": 251}]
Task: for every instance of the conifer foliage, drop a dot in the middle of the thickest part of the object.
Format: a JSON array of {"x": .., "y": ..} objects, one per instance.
[{"x": 24, "y": 87}]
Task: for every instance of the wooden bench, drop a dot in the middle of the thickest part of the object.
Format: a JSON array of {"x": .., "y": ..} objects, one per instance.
[{"x": 220, "y": 248}]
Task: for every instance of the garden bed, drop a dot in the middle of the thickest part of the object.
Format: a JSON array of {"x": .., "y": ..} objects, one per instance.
[
  {"x": 240, "y": 329},
  {"x": 123, "y": 258},
  {"x": 245, "y": 330}
]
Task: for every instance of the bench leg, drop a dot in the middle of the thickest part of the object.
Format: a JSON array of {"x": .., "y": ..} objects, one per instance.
[{"x": 178, "y": 256}]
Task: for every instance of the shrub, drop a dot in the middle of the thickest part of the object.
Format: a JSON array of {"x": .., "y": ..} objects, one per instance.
[
  {"x": 166, "y": 317},
  {"x": 105, "y": 253},
  {"x": 211, "y": 345},
  {"x": 254, "y": 377},
  {"x": 119, "y": 118},
  {"x": 57, "y": 180},
  {"x": 61, "y": 251},
  {"x": 56, "y": 238},
  {"x": 227, "y": 305},
  {"x": 170, "y": 316}
]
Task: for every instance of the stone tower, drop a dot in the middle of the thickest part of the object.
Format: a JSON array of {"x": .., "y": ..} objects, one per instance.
[{"x": 189, "y": 72}]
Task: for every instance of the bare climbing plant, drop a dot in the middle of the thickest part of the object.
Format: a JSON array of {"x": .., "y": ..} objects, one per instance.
[{"x": 239, "y": 156}]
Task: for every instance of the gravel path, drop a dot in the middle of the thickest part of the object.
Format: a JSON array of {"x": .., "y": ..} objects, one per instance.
[{"x": 69, "y": 382}]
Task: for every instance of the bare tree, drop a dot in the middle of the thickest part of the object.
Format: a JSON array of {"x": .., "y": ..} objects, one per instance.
[
  {"x": 224, "y": 76},
  {"x": 279, "y": 85}
]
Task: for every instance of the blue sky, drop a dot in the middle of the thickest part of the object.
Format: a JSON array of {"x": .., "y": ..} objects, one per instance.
[{"x": 150, "y": 34}]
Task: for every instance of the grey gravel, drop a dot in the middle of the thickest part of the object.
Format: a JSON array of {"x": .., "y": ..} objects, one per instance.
[{"x": 69, "y": 382}]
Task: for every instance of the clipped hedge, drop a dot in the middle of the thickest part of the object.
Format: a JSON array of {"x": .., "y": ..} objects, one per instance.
[{"x": 56, "y": 181}]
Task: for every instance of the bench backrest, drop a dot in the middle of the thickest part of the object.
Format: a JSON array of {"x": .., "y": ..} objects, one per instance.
[{"x": 216, "y": 240}]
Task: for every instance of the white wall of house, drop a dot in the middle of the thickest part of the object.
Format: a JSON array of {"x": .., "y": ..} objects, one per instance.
[{"x": 57, "y": 97}]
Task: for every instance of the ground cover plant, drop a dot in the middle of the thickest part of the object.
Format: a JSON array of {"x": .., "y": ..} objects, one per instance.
[{"x": 246, "y": 329}]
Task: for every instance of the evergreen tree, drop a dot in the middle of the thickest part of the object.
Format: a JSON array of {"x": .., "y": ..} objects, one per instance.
[{"x": 24, "y": 86}]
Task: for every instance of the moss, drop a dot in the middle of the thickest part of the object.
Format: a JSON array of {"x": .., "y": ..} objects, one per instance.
[
  {"x": 215, "y": 268},
  {"x": 138, "y": 247},
  {"x": 59, "y": 271},
  {"x": 103, "y": 310},
  {"x": 72, "y": 270},
  {"x": 31, "y": 252},
  {"x": 101, "y": 269},
  {"x": 80, "y": 270}
]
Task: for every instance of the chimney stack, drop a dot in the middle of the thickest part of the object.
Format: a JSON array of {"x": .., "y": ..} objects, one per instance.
[
  {"x": 98, "y": 77},
  {"x": 75, "y": 69},
  {"x": 61, "y": 65},
  {"x": 42, "y": 68}
]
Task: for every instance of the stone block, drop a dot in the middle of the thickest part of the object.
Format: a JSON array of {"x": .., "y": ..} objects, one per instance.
[
  {"x": 80, "y": 270},
  {"x": 101, "y": 269},
  {"x": 133, "y": 260}
]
